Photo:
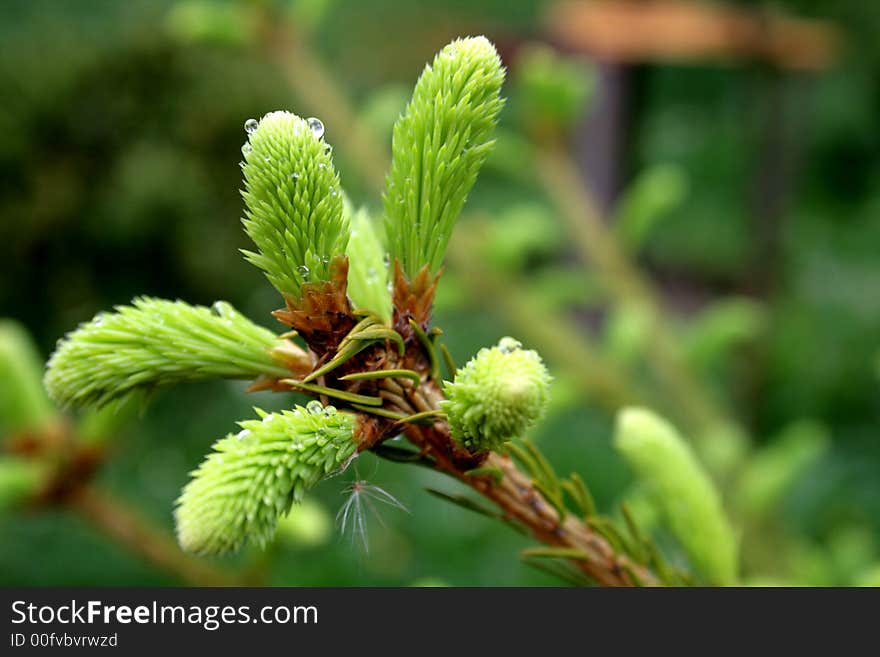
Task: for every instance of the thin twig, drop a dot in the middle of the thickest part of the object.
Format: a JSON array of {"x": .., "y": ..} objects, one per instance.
[
  {"x": 124, "y": 524},
  {"x": 563, "y": 182}
]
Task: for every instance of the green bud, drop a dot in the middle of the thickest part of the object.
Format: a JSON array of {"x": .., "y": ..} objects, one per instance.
[
  {"x": 156, "y": 343},
  {"x": 496, "y": 396},
  {"x": 294, "y": 202},
  {"x": 367, "y": 273},
  {"x": 681, "y": 490},
  {"x": 553, "y": 90},
  {"x": 870, "y": 577},
  {"x": 220, "y": 23},
  {"x": 439, "y": 145},
  {"x": 253, "y": 477}
]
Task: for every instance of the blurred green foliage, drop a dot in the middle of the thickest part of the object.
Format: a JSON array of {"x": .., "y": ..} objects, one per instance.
[{"x": 120, "y": 134}]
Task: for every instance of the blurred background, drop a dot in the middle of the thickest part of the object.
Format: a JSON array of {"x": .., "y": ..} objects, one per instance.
[{"x": 682, "y": 210}]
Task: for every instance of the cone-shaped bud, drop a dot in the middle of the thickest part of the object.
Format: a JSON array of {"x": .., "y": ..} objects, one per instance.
[
  {"x": 251, "y": 478},
  {"x": 439, "y": 145},
  {"x": 367, "y": 273},
  {"x": 294, "y": 203},
  {"x": 681, "y": 490},
  {"x": 156, "y": 343},
  {"x": 496, "y": 396}
]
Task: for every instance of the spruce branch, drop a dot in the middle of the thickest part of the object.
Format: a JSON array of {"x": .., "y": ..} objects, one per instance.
[
  {"x": 295, "y": 216},
  {"x": 154, "y": 342},
  {"x": 294, "y": 208},
  {"x": 439, "y": 144},
  {"x": 522, "y": 504},
  {"x": 253, "y": 477}
]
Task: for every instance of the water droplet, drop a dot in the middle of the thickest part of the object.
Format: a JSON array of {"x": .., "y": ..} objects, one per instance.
[
  {"x": 294, "y": 176},
  {"x": 328, "y": 412},
  {"x": 387, "y": 260},
  {"x": 251, "y": 125},
  {"x": 220, "y": 309},
  {"x": 333, "y": 192},
  {"x": 244, "y": 433},
  {"x": 246, "y": 149},
  {"x": 509, "y": 345},
  {"x": 316, "y": 126},
  {"x": 322, "y": 165},
  {"x": 302, "y": 269},
  {"x": 314, "y": 407},
  {"x": 267, "y": 158}
]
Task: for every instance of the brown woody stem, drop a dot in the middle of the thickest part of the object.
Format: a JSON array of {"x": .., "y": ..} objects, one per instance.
[
  {"x": 136, "y": 535},
  {"x": 520, "y": 501}
]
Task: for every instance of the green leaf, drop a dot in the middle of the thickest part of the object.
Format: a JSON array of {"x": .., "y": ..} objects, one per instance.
[
  {"x": 367, "y": 272},
  {"x": 497, "y": 474},
  {"x": 294, "y": 203},
  {"x": 580, "y": 494},
  {"x": 558, "y": 568},
  {"x": 252, "y": 478},
  {"x": 439, "y": 144},
  {"x": 681, "y": 490},
  {"x": 155, "y": 342},
  {"x": 556, "y": 553},
  {"x": 343, "y": 395},
  {"x": 412, "y": 375}
]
